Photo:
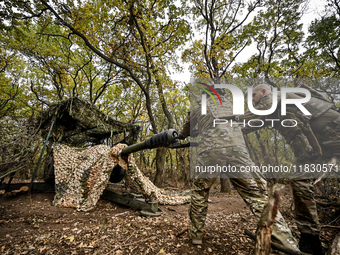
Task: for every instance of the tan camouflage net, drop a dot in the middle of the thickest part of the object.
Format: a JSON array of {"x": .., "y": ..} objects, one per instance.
[{"x": 82, "y": 175}]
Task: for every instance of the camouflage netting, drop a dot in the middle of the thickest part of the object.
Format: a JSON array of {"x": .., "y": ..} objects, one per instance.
[
  {"x": 141, "y": 183},
  {"x": 82, "y": 175},
  {"x": 78, "y": 123},
  {"x": 73, "y": 121},
  {"x": 19, "y": 144}
]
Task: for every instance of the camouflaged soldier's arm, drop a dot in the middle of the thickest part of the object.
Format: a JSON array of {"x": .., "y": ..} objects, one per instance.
[
  {"x": 301, "y": 137},
  {"x": 190, "y": 122},
  {"x": 306, "y": 142}
]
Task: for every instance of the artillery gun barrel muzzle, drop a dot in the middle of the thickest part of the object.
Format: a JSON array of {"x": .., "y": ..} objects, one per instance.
[{"x": 161, "y": 139}]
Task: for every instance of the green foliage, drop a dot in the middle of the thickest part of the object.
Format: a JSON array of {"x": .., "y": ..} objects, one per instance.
[
  {"x": 113, "y": 54},
  {"x": 324, "y": 46},
  {"x": 276, "y": 32},
  {"x": 117, "y": 55},
  {"x": 221, "y": 25}
]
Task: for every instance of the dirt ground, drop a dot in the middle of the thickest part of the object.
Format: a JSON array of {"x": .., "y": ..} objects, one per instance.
[{"x": 32, "y": 225}]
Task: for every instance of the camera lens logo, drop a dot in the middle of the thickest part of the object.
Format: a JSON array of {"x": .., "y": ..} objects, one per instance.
[
  {"x": 238, "y": 99},
  {"x": 213, "y": 90}
]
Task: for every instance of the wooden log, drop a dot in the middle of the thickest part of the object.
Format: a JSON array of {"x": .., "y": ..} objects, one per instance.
[
  {"x": 38, "y": 187},
  {"x": 182, "y": 232},
  {"x": 265, "y": 225}
]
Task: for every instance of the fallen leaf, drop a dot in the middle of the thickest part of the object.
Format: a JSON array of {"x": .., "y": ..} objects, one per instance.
[{"x": 71, "y": 238}]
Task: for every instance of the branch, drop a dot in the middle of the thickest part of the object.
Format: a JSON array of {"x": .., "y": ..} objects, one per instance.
[
  {"x": 233, "y": 59},
  {"x": 36, "y": 95},
  {"x": 92, "y": 47},
  {"x": 182, "y": 232},
  {"x": 33, "y": 15},
  {"x": 330, "y": 226},
  {"x": 148, "y": 59}
]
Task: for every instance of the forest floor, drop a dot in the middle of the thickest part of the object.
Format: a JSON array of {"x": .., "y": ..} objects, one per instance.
[{"x": 32, "y": 225}]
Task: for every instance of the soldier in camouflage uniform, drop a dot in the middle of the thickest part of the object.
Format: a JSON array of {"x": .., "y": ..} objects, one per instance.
[
  {"x": 322, "y": 130},
  {"x": 223, "y": 146}
]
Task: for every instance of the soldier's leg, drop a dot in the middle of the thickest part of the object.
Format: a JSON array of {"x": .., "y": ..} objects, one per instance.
[
  {"x": 198, "y": 208},
  {"x": 252, "y": 188},
  {"x": 256, "y": 199},
  {"x": 305, "y": 207},
  {"x": 306, "y": 216}
]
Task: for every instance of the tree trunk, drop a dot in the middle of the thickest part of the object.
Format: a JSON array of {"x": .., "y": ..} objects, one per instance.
[
  {"x": 160, "y": 160},
  {"x": 265, "y": 225},
  {"x": 226, "y": 186}
]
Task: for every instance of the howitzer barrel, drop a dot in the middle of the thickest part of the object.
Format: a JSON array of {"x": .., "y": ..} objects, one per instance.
[{"x": 161, "y": 139}]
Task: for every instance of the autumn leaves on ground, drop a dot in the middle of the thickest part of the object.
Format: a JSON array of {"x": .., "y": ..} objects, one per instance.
[{"x": 31, "y": 225}]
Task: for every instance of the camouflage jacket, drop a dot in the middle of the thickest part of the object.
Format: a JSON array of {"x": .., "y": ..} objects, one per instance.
[{"x": 210, "y": 137}]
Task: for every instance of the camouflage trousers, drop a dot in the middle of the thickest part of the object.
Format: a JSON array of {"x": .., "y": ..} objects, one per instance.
[
  {"x": 254, "y": 197},
  {"x": 303, "y": 190},
  {"x": 252, "y": 191},
  {"x": 306, "y": 215}
]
